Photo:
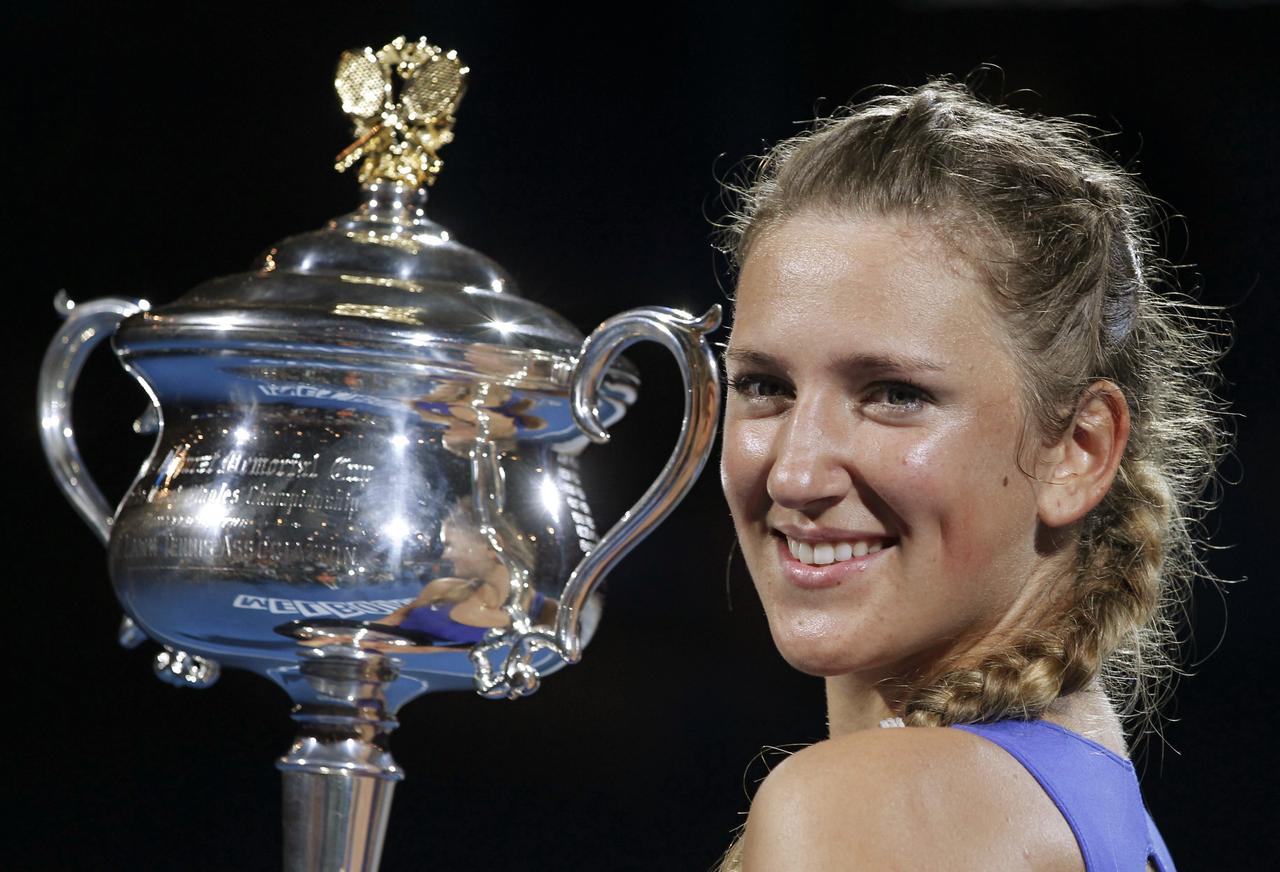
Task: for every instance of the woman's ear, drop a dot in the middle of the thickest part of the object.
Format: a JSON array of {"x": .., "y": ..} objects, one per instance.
[{"x": 1076, "y": 472}]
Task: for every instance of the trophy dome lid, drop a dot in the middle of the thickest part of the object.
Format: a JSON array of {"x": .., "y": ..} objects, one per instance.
[
  {"x": 385, "y": 280},
  {"x": 384, "y": 283}
]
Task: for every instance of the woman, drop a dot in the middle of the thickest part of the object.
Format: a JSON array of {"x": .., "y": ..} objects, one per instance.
[
  {"x": 449, "y": 611},
  {"x": 460, "y": 609},
  {"x": 967, "y": 435}
]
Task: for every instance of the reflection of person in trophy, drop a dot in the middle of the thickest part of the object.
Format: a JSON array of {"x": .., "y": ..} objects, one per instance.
[
  {"x": 473, "y": 412},
  {"x": 450, "y": 611},
  {"x": 460, "y": 609},
  {"x": 966, "y": 441}
]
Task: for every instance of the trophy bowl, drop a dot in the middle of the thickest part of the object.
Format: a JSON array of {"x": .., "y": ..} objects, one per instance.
[{"x": 364, "y": 483}]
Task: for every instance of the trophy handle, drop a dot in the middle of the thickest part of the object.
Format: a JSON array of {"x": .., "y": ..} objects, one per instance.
[
  {"x": 685, "y": 337},
  {"x": 86, "y": 325}
]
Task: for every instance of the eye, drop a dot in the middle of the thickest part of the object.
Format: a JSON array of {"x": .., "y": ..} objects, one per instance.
[
  {"x": 752, "y": 386},
  {"x": 899, "y": 397}
]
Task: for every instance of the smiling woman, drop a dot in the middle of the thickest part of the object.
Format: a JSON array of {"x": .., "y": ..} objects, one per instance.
[{"x": 969, "y": 430}]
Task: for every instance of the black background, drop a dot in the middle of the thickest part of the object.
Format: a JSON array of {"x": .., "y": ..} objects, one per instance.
[{"x": 151, "y": 148}]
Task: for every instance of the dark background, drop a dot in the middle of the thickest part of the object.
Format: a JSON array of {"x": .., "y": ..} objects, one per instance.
[{"x": 153, "y": 148}]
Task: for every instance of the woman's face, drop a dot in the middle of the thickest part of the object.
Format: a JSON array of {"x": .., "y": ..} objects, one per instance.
[
  {"x": 873, "y": 427},
  {"x": 465, "y": 548}
]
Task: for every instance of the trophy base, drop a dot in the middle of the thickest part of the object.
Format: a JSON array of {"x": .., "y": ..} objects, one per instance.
[
  {"x": 335, "y": 822},
  {"x": 339, "y": 775}
]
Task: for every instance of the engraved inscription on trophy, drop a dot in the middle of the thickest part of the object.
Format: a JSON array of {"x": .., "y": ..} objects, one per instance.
[
  {"x": 263, "y": 503},
  {"x": 292, "y": 483},
  {"x": 253, "y": 547}
]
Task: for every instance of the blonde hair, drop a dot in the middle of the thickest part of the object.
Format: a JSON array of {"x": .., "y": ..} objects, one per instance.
[{"x": 1066, "y": 238}]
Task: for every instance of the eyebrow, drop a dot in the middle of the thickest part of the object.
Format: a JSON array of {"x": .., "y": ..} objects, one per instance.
[{"x": 860, "y": 362}]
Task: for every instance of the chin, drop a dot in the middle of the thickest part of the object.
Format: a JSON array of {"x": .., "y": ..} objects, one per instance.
[
  {"x": 842, "y": 650},
  {"x": 821, "y": 656}
]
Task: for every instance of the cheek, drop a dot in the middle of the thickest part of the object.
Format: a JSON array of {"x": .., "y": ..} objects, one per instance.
[
  {"x": 744, "y": 465},
  {"x": 962, "y": 486}
]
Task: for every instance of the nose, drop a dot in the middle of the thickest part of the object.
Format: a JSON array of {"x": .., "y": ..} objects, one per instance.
[{"x": 812, "y": 463}]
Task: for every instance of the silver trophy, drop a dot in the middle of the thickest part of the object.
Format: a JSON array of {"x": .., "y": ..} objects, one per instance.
[{"x": 364, "y": 483}]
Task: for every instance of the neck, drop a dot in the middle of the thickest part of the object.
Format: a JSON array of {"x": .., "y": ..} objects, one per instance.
[
  {"x": 859, "y": 701},
  {"x": 855, "y": 703},
  {"x": 496, "y": 583},
  {"x": 1089, "y": 713}
]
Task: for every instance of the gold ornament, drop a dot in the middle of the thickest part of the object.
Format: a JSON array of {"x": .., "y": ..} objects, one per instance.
[{"x": 401, "y": 99}]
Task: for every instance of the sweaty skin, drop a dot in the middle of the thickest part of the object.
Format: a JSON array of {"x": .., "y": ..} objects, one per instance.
[
  {"x": 873, "y": 391},
  {"x": 874, "y": 396}
]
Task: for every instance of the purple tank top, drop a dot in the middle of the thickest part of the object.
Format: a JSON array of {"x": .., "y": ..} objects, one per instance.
[
  {"x": 1095, "y": 789},
  {"x": 434, "y": 620}
]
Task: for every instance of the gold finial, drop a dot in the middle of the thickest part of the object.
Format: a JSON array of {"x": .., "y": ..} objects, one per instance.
[{"x": 401, "y": 99}]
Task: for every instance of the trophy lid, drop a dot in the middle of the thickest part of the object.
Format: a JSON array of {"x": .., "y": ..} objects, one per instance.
[{"x": 384, "y": 279}]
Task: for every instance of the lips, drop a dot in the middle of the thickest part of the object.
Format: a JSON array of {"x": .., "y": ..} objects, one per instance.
[{"x": 809, "y": 576}]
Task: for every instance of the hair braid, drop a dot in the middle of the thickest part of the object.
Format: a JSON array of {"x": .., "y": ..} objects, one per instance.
[
  {"x": 1066, "y": 239},
  {"x": 1116, "y": 593}
]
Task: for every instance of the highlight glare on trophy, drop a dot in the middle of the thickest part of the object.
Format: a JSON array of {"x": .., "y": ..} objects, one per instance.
[{"x": 365, "y": 484}]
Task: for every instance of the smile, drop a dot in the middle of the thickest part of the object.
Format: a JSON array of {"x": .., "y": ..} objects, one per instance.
[
  {"x": 823, "y": 553},
  {"x": 814, "y": 565}
]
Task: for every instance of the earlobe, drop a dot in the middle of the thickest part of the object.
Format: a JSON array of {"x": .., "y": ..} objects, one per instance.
[{"x": 1083, "y": 463}]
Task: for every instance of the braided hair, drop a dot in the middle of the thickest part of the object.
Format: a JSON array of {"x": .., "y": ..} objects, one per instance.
[{"x": 1066, "y": 240}]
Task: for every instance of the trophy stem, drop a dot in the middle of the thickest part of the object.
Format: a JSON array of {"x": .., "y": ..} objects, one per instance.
[{"x": 339, "y": 775}]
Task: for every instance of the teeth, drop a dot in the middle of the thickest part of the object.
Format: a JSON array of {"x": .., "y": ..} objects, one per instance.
[{"x": 824, "y": 553}]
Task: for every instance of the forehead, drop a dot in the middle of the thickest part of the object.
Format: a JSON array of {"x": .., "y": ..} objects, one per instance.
[{"x": 884, "y": 284}]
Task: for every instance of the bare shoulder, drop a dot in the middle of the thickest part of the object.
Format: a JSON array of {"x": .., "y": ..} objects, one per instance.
[
  {"x": 905, "y": 799},
  {"x": 439, "y": 588}
]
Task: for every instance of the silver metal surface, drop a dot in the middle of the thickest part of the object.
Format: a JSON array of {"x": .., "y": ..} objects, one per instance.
[
  {"x": 339, "y": 775},
  {"x": 86, "y": 325},
  {"x": 385, "y": 283},
  {"x": 683, "y": 335},
  {"x": 128, "y": 635},
  {"x": 364, "y": 486},
  {"x": 322, "y": 468},
  {"x": 185, "y": 670},
  {"x": 323, "y": 428}
]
